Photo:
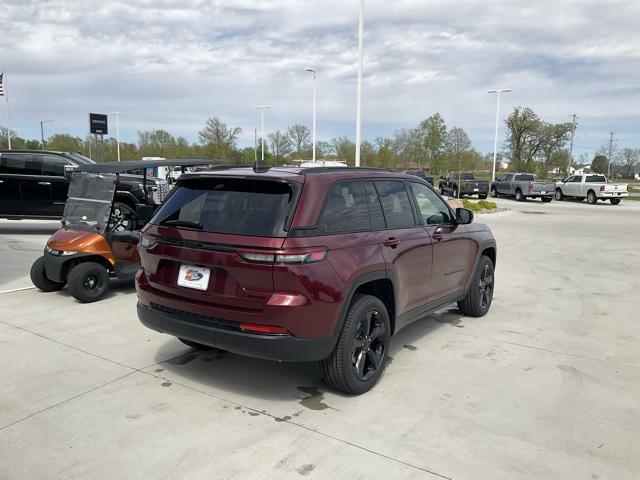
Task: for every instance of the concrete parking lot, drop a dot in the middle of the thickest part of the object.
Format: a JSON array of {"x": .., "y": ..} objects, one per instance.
[{"x": 545, "y": 386}]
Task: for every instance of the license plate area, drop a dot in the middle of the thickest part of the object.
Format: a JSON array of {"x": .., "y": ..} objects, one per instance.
[
  {"x": 476, "y": 189},
  {"x": 191, "y": 276},
  {"x": 543, "y": 192}
]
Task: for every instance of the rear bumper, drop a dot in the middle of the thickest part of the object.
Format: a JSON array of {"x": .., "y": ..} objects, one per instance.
[
  {"x": 206, "y": 331},
  {"x": 613, "y": 194}
]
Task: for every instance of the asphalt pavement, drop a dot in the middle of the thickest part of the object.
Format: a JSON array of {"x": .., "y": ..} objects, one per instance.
[{"x": 545, "y": 386}]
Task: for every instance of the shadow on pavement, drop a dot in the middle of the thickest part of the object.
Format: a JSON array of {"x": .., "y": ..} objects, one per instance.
[{"x": 270, "y": 380}]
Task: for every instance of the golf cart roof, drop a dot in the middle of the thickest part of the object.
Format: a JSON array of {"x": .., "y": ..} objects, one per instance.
[{"x": 122, "y": 167}]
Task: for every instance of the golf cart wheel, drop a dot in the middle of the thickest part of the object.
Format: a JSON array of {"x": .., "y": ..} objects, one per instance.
[
  {"x": 480, "y": 295},
  {"x": 559, "y": 195},
  {"x": 519, "y": 196},
  {"x": 358, "y": 360},
  {"x": 196, "y": 345},
  {"x": 591, "y": 198},
  {"x": 615, "y": 201},
  {"x": 123, "y": 218},
  {"x": 88, "y": 282},
  {"x": 494, "y": 192},
  {"x": 39, "y": 277}
]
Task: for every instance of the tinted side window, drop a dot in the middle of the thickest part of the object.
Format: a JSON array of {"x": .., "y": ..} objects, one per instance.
[
  {"x": 345, "y": 209},
  {"x": 525, "y": 178},
  {"x": 53, "y": 165},
  {"x": 18, "y": 164},
  {"x": 375, "y": 209},
  {"x": 432, "y": 208},
  {"x": 576, "y": 179},
  {"x": 395, "y": 204},
  {"x": 507, "y": 178}
]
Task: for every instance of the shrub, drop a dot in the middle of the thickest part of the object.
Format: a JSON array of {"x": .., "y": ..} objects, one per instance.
[{"x": 478, "y": 206}]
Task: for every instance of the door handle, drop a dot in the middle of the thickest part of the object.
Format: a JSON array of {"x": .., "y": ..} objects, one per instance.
[
  {"x": 44, "y": 183},
  {"x": 391, "y": 242}
]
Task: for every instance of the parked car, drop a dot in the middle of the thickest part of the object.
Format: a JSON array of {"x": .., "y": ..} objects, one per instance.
[
  {"x": 522, "y": 186},
  {"x": 33, "y": 184},
  {"x": 462, "y": 184},
  {"x": 98, "y": 237},
  {"x": 420, "y": 174},
  {"x": 318, "y": 264},
  {"x": 593, "y": 187}
]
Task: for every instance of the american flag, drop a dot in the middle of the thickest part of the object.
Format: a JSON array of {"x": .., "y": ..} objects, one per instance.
[{"x": 1, "y": 87}]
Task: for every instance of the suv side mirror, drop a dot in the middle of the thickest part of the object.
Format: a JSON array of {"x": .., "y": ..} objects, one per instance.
[{"x": 464, "y": 216}]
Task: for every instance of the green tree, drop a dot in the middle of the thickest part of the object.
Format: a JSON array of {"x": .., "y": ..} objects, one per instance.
[
  {"x": 280, "y": 145},
  {"x": 457, "y": 147},
  {"x": 65, "y": 143},
  {"x": 344, "y": 149},
  {"x": 432, "y": 133},
  {"x": 219, "y": 141},
  {"x": 600, "y": 164},
  {"x": 300, "y": 137}
]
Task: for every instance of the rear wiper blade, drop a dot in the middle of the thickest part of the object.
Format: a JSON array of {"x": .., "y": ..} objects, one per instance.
[{"x": 183, "y": 223}]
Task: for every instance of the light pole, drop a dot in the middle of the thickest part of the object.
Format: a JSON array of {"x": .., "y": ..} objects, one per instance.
[
  {"x": 262, "y": 108},
  {"x": 117, "y": 115},
  {"x": 359, "y": 88},
  {"x": 495, "y": 139},
  {"x": 315, "y": 74},
  {"x": 42, "y": 122}
]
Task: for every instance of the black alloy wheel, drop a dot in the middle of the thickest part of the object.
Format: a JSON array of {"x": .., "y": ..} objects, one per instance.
[
  {"x": 358, "y": 359},
  {"x": 367, "y": 348},
  {"x": 480, "y": 295}
]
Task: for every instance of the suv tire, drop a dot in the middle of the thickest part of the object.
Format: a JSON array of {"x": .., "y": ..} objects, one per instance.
[
  {"x": 39, "y": 278},
  {"x": 357, "y": 362},
  {"x": 480, "y": 294},
  {"x": 88, "y": 282}
]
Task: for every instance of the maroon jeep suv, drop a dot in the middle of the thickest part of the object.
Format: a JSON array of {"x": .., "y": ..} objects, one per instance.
[{"x": 303, "y": 264}]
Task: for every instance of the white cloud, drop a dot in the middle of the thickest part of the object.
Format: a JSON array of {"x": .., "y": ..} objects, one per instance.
[{"x": 173, "y": 63}]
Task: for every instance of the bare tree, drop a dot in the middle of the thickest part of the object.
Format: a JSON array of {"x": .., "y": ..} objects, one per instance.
[
  {"x": 626, "y": 160},
  {"x": 280, "y": 144},
  {"x": 216, "y": 132},
  {"x": 300, "y": 137}
]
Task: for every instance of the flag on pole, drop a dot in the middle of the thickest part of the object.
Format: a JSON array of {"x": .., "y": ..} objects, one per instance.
[{"x": 1, "y": 87}]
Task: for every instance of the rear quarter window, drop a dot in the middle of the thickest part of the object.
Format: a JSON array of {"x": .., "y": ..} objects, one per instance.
[
  {"x": 595, "y": 179},
  {"x": 231, "y": 206},
  {"x": 345, "y": 209}
]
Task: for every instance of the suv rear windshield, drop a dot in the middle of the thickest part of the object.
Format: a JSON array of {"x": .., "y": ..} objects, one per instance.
[{"x": 233, "y": 206}]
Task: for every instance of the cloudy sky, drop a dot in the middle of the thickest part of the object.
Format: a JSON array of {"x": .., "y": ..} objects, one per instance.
[{"x": 171, "y": 64}]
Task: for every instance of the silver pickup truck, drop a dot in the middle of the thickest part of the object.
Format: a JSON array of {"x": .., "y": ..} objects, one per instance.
[
  {"x": 593, "y": 187},
  {"x": 522, "y": 186}
]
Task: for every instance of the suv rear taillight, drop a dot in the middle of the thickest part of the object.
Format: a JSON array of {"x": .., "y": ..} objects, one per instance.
[
  {"x": 530, "y": 186},
  {"x": 288, "y": 257},
  {"x": 602, "y": 188}
]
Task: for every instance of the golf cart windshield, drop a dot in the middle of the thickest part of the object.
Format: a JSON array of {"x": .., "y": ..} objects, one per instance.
[{"x": 89, "y": 202}]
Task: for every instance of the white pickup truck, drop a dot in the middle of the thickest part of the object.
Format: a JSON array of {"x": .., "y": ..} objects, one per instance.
[{"x": 593, "y": 187}]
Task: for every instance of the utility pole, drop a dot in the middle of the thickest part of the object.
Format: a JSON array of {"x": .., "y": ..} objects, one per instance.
[
  {"x": 495, "y": 138},
  {"x": 117, "y": 115},
  {"x": 573, "y": 131},
  {"x": 609, "y": 156}
]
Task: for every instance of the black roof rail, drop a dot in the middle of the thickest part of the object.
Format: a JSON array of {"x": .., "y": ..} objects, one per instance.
[{"x": 307, "y": 170}]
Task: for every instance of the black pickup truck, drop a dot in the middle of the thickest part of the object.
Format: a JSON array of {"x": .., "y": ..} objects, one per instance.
[
  {"x": 459, "y": 184},
  {"x": 33, "y": 184}
]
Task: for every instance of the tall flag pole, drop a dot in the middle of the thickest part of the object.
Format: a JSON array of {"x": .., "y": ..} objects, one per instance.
[{"x": 5, "y": 94}]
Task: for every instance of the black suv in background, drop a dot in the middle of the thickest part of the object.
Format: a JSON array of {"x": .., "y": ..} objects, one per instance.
[{"x": 33, "y": 184}]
